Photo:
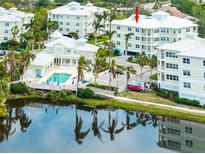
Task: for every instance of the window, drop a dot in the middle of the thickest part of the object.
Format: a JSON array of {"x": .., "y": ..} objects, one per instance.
[
  {"x": 163, "y": 38},
  {"x": 67, "y": 23},
  {"x": 189, "y": 143},
  {"x": 6, "y": 31},
  {"x": 173, "y": 144},
  {"x": 67, "y": 29},
  {"x": 171, "y": 66},
  {"x": 186, "y": 60},
  {"x": 5, "y": 38},
  {"x": 188, "y": 130},
  {"x": 156, "y": 31},
  {"x": 187, "y": 85},
  {"x": 171, "y": 55},
  {"x": 129, "y": 29},
  {"x": 61, "y": 29},
  {"x": 204, "y": 75},
  {"x": 137, "y": 46},
  {"x": 137, "y": 38},
  {"x": 188, "y": 30},
  {"x": 118, "y": 35},
  {"x": 118, "y": 27},
  {"x": 77, "y": 24},
  {"x": 77, "y": 30},
  {"x": 179, "y": 31},
  {"x": 78, "y": 18},
  {"x": 163, "y": 30},
  {"x": 7, "y": 24},
  {"x": 73, "y": 61},
  {"x": 186, "y": 73},
  {"x": 172, "y": 77},
  {"x": 204, "y": 62},
  {"x": 118, "y": 43},
  {"x": 156, "y": 39},
  {"x": 129, "y": 45},
  {"x": 61, "y": 23},
  {"x": 137, "y": 30}
]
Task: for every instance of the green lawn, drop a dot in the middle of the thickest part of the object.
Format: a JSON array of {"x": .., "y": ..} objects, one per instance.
[
  {"x": 152, "y": 97},
  {"x": 101, "y": 39}
]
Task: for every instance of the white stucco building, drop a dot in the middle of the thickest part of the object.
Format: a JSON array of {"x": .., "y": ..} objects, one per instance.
[
  {"x": 150, "y": 31},
  {"x": 74, "y": 17},
  {"x": 10, "y": 18},
  {"x": 181, "y": 67},
  {"x": 56, "y": 65}
]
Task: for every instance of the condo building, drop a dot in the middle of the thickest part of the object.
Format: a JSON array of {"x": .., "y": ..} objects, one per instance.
[
  {"x": 181, "y": 67},
  {"x": 74, "y": 17},
  {"x": 10, "y": 18},
  {"x": 181, "y": 135},
  {"x": 150, "y": 31}
]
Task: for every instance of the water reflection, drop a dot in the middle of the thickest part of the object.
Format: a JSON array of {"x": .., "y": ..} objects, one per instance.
[{"x": 109, "y": 127}]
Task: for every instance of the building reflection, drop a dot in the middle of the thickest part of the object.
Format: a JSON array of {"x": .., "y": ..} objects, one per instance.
[{"x": 181, "y": 135}]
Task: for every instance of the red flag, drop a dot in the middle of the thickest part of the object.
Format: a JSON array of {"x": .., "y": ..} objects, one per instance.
[{"x": 137, "y": 14}]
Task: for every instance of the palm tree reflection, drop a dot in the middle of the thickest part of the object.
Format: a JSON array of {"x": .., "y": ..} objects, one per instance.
[
  {"x": 112, "y": 127},
  {"x": 79, "y": 135},
  {"x": 95, "y": 127},
  {"x": 127, "y": 124}
]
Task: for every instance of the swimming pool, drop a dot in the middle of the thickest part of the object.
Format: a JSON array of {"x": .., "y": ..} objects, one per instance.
[{"x": 59, "y": 77}]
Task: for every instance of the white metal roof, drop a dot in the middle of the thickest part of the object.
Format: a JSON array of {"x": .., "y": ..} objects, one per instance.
[
  {"x": 74, "y": 8},
  {"x": 56, "y": 34},
  {"x": 42, "y": 59},
  {"x": 157, "y": 20}
]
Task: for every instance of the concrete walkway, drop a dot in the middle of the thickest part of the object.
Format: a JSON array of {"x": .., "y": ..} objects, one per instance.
[{"x": 124, "y": 99}]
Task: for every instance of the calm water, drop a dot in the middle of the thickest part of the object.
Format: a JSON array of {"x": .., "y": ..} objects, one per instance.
[{"x": 46, "y": 128}]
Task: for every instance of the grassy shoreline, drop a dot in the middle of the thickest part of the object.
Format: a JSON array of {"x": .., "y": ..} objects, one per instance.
[{"x": 110, "y": 103}]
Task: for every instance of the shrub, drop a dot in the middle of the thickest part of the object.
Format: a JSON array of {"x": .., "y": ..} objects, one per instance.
[
  {"x": 18, "y": 88},
  {"x": 86, "y": 93},
  {"x": 187, "y": 102},
  {"x": 58, "y": 95},
  {"x": 116, "y": 52}
]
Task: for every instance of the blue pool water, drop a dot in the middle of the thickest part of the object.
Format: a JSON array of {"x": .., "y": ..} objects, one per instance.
[{"x": 59, "y": 77}]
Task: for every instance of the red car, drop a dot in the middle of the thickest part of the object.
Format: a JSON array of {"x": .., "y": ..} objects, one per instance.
[{"x": 136, "y": 88}]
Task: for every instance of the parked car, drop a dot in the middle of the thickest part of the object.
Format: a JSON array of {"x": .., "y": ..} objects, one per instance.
[
  {"x": 136, "y": 88},
  {"x": 2, "y": 53}
]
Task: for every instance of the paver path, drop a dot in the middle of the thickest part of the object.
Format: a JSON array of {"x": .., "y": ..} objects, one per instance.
[{"x": 155, "y": 104}]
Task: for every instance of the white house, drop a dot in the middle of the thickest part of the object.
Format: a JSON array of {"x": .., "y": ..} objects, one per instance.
[
  {"x": 181, "y": 67},
  {"x": 58, "y": 62},
  {"x": 150, "y": 31},
  {"x": 74, "y": 17},
  {"x": 10, "y": 18}
]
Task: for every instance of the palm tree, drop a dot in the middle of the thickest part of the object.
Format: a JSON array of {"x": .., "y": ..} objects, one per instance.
[
  {"x": 30, "y": 26},
  {"x": 29, "y": 39},
  {"x": 127, "y": 37},
  {"x": 12, "y": 60},
  {"x": 15, "y": 32},
  {"x": 142, "y": 61},
  {"x": 98, "y": 27},
  {"x": 105, "y": 16},
  {"x": 100, "y": 61},
  {"x": 112, "y": 16},
  {"x": 129, "y": 70},
  {"x": 83, "y": 65},
  {"x": 52, "y": 26},
  {"x": 24, "y": 121},
  {"x": 26, "y": 58},
  {"x": 40, "y": 37},
  {"x": 152, "y": 62}
]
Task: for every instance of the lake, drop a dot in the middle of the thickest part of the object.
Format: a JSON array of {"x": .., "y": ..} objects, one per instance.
[{"x": 47, "y": 128}]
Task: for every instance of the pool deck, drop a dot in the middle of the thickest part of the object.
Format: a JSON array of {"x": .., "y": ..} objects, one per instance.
[{"x": 70, "y": 84}]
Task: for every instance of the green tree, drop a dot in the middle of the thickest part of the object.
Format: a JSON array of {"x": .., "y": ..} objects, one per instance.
[
  {"x": 83, "y": 65},
  {"x": 127, "y": 37},
  {"x": 15, "y": 32},
  {"x": 98, "y": 27},
  {"x": 129, "y": 70},
  {"x": 142, "y": 61},
  {"x": 152, "y": 62}
]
